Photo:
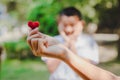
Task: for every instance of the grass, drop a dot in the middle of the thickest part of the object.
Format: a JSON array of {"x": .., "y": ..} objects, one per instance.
[
  {"x": 36, "y": 70},
  {"x": 23, "y": 70}
]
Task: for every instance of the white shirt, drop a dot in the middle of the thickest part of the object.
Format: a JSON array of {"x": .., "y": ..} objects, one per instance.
[{"x": 86, "y": 47}]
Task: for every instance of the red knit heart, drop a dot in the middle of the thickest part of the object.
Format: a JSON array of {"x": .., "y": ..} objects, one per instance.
[{"x": 33, "y": 25}]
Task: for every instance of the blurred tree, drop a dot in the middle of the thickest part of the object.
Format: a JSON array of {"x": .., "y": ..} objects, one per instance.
[
  {"x": 97, "y": 11},
  {"x": 47, "y": 10},
  {"x": 105, "y": 13},
  {"x": 109, "y": 18},
  {"x": 109, "y": 15}
]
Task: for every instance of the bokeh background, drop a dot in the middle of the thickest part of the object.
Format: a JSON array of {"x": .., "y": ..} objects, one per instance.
[{"x": 102, "y": 18}]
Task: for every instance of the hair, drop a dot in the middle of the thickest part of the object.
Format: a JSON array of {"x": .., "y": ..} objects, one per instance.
[{"x": 71, "y": 11}]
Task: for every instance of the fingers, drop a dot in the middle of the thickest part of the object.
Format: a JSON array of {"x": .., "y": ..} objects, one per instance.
[
  {"x": 37, "y": 42},
  {"x": 34, "y": 34},
  {"x": 34, "y": 31},
  {"x": 31, "y": 37},
  {"x": 34, "y": 44},
  {"x": 38, "y": 46},
  {"x": 42, "y": 46}
]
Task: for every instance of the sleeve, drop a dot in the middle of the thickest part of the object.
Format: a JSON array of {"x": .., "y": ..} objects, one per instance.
[
  {"x": 94, "y": 51},
  {"x": 90, "y": 51}
]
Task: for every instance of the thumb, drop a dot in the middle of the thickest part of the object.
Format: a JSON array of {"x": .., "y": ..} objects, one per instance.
[{"x": 44, "y": 50}]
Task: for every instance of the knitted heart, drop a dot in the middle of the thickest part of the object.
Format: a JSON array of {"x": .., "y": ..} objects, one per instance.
[{"x": 33, "y": 25}]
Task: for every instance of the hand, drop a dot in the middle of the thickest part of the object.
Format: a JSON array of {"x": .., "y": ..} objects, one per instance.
[
  {"x": 70, "y": 37},
  {"x": 69, "y": 40},
  {"x": 43, "y": 45},
  {"x": 62, "y": 33}
]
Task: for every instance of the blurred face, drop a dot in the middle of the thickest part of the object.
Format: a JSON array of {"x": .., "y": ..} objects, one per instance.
[{"x": 70, "y": 25}]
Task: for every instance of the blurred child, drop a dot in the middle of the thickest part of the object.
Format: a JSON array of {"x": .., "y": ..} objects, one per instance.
[{"x": 70, "y": 26}]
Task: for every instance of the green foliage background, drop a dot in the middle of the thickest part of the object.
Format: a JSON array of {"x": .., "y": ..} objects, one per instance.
[
  {"x": 45, "y": 13},
  {"x": 105, "y": 13}
]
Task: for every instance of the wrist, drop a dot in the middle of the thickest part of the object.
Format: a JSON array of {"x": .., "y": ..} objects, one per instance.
[{"x": 67, "y": 55}]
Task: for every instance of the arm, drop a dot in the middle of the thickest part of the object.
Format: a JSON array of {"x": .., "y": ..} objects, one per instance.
[
  {"x": 43, "y": 47},
  {"x": 71, "y": 46},
  {"x": 92, "y": 72}
]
